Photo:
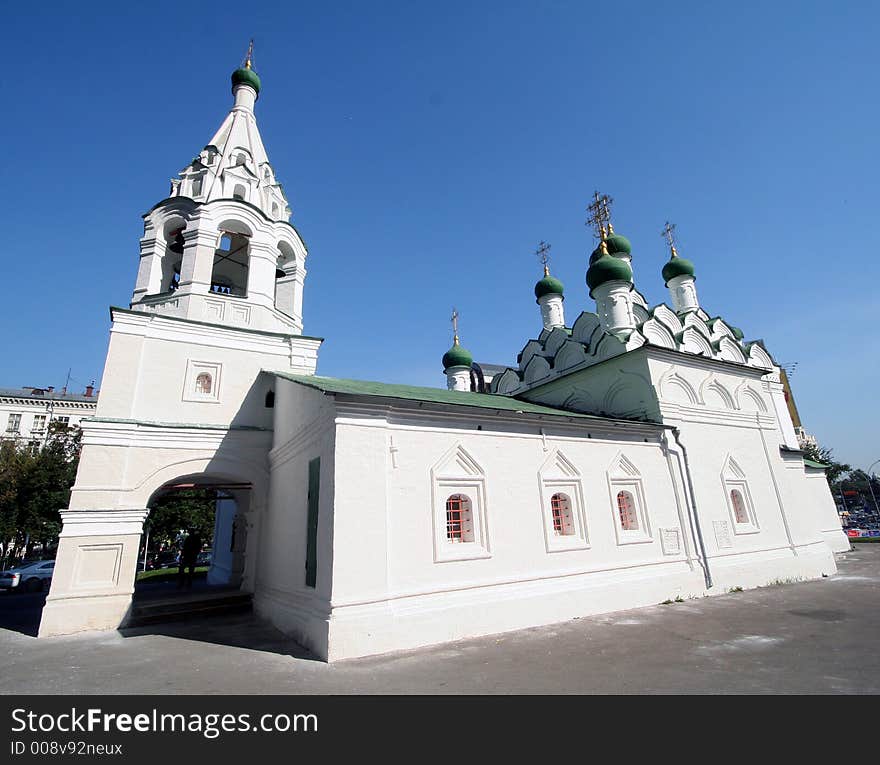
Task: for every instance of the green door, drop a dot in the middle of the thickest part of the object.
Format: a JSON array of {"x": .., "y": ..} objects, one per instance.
[{"x": 312, "y": 527}]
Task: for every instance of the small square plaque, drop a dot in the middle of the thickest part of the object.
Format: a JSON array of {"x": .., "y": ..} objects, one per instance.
[
  {"x": 670, "y": 541},
  {"x": 722, "y": 534}
]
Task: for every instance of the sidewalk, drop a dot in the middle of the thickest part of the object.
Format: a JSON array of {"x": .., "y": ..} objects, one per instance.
[{"x": 808, "y": 637}]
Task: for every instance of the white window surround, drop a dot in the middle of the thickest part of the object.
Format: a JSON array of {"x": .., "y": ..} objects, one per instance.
[
  {"x": 623, "y": 476},
  {"x": 559, "y": 476},
  {"x": 458, "y": 473},
  {"x": 733, "y": 478},
  {"x": 190, "y": 386}
]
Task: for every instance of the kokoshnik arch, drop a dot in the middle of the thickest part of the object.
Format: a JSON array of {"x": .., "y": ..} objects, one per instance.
[{"x": 632, "y": 455}]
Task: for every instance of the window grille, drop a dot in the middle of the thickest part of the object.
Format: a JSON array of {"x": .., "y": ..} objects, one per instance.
[
  {"x": 459, "y": 527},
  {"x": 560, "y": 506}
]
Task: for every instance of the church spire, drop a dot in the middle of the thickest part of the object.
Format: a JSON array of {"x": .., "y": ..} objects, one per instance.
[
  {"x": 548, "y": 292},
  {"x": 678, "y": 274},
  {"x": 609, "y": 276},
  {"x": 234, "y": 163},
  {"x": 457, "y": 361}
]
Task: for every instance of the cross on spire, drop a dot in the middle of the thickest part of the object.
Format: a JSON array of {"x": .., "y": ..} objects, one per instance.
[
  {"x": 543, "y": 255},
  {"x": 249, "y": 58},
  {"x": 454, "y": 320},
  {"x": 600, "y": 215},
  {"x": 668, "y": 233}
]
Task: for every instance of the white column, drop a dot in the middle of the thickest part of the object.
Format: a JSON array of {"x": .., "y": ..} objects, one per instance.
[
  {"x": 552, "y": 313},
  {"x": 614, "y": 306},
  {"x": 245, "y": 97},
  {"x": 458, "y": 378},
  {"x": 683, "y": 291},
  {"x": 95, "y": 567}
]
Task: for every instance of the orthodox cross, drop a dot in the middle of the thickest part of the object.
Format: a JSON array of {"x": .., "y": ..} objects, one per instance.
[
  {"x": 454, "y": 320},
  {"x": 668, "y": 233},
  {"x": 249, "y": 59},
  {"x": 543, "y": 255},
  {"x": 600, "y": 215}
]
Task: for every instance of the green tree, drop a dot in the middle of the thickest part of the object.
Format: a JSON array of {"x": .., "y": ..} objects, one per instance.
[
  {"x": 35, "y": 485},
  {"x": 180, "y": 511},
  {"x": 835, "y": 471}
]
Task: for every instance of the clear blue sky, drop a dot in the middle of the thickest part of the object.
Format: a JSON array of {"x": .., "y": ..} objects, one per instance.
[{"x": 427, "y": 147}]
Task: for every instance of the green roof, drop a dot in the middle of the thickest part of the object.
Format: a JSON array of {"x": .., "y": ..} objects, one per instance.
[
  {"x": 677, "y": 267},
  {"x": 457, "y": 356},
  {"x": 549, "y": 285},
  {"x": 606, "y": 269},
  {"x": 492, "y": 401},
  {"x": 246, "y": 76},
  {"x": 814, "y": 464}
]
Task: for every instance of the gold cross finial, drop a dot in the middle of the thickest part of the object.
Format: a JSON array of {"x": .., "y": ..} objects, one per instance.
[
  {"x": 543, "y": 255},
  {"x": 600, "y": 215},
  {"x": 249, "y": 58},
  {"x": 454, "y": 320},
  {"x": 668, "y": 233}
]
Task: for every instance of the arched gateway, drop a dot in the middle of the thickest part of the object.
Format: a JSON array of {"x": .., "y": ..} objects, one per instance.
[{"x": 184, "y": 398}]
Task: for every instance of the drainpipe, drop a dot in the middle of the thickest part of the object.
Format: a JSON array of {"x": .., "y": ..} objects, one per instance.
[{"x": 693, "y": 506}]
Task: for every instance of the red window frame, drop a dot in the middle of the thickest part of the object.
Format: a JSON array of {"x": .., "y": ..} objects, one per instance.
[
  {"x": 458, "y": 518},
  {"x": 560, "y": 508}
]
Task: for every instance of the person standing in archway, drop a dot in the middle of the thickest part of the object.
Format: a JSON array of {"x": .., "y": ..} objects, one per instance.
[{"x": 189, "y": 553}]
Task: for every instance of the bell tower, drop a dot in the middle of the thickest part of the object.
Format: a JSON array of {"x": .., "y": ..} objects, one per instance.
[
  {"x": 221, "y": 247},
  {"x": 187, "y": 397}
]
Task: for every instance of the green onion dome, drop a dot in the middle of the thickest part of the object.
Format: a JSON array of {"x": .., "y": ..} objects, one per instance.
[
  {"x": 618, "y": 245},
  {"x": 677, "y": 267},
  {"x": 608, "y": 268},
  {"x": 548, "y": 286},
  {"x": 246, "y": 76},
  {"x": 457, "y": 356}
]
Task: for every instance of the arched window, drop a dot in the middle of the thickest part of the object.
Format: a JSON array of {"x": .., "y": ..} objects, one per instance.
[
  {"x": 560, "y": 506},
  {"x": 197, "y": 187},
  {"x": 239, "y": 192},
  {"x": 270, "y": 399},
  {"x": 739, "y": 506},
  {"x": 626, "y": 506},
  {"x": 171, "y": 263},
  {"x": 229, "y": 275},
  {"x": 274, "y": 208},
  {"x": 240, "y": 159},
  {"x": 204, "y": 384},
  {"x": 459, "y": 522}
]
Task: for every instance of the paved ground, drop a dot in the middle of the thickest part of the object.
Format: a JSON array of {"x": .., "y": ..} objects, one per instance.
[{"x": 809, "y": 637}]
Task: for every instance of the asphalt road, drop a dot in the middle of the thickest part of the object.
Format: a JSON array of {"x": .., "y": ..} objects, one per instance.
[{"x": 807, "y": 637}]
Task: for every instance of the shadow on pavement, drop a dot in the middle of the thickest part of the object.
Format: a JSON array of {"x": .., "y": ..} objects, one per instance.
[
  {"x": 21, "y": 611},
  {"x": 187, "y": 619}
]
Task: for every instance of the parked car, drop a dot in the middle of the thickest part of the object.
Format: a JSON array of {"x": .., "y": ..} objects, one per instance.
[
  {"x": 29, "y": 577},
  {"x": 204, "y": 558},
  {"x": 167, "y": 559}
]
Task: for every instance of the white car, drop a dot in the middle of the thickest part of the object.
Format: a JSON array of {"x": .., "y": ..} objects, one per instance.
[{"x": 32, "y": 577}]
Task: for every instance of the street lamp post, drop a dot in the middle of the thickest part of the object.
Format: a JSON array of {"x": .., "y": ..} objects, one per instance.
[{"x": 871, "y": 487}]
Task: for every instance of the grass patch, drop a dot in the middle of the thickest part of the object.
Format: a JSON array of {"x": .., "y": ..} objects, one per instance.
[
  {"x": 778, "y": 582},
  {"x": 863, "y": 539},
  {"x": 168, "y": 574}
]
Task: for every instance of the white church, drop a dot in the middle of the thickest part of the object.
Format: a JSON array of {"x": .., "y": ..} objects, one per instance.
[{"x": 634, "y": 455}]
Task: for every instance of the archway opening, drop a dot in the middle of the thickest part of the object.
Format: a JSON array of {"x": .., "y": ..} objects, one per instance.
[
  {"x": 193, "y": 538},
  {"x": 229, "y": 275}
]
